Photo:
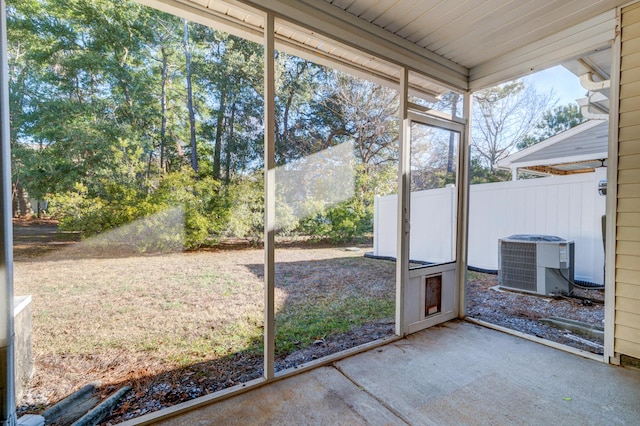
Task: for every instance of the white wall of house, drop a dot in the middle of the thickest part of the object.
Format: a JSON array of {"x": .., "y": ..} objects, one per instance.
[{"x": 566, "y": 206}]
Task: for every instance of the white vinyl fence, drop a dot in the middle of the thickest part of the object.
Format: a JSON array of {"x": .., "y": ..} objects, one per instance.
[{"x": 566, "y": 206}]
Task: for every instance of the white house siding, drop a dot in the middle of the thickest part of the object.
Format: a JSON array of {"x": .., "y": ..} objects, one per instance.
[{"x": 627, "y": 303}]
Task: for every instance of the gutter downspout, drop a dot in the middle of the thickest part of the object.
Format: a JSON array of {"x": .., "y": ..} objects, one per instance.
[
  {"x": 7, "y": 373},
  {"x": 587, "y": 81},
  {"x": 585, "y": 105},
  {"x": 595, "y": 89}
]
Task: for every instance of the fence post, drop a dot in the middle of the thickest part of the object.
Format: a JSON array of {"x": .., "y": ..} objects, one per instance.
[{"x": 376, "y": 224}]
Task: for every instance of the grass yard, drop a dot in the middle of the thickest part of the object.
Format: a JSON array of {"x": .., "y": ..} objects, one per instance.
[{"x": 150, "y": 319}]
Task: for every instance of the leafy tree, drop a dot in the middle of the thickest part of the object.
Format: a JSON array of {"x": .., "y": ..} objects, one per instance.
[
  {"x": 25, "y": 50},
  {"x": 200, "y": 208},
  {"x": 103, "y": 118},
  {"x": 246, "y": 209},
  {"x": 164, "y": 59},
  {"x": 203, "y": 207},
  {"x": 553, "y": 122},
  {"x": 116, "y": 195},
  {"x": 228, "y": 68},
  {"x": 89, "y": 86},
  {"x": 298, "y": 81}
]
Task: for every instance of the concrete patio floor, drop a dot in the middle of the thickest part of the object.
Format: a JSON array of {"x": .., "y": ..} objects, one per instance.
[{"x": 457, "y": 373}]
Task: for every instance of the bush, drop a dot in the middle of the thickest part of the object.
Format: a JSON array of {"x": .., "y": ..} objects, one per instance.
[
  {"x": 76, "y": 211},
  {"x": 345, "y": 222},
  {"x": 245, "y": 198},
  {"x": 203, "y": 207},
  {"x": 183, "y": 212}
]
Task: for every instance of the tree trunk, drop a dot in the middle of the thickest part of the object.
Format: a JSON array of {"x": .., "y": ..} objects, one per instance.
[
  {"x": 22, "y": 205},
  {"x": 229, "y": 146},
  {"x": 163, "y": 108},
  {"x": 217, "y": 150},
  {"x": 192, "y": 119}
]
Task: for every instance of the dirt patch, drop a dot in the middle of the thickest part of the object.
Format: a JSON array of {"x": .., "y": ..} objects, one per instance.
[
  {"x": 34, "y": 238},
  {"x": 170, "y": 388}
]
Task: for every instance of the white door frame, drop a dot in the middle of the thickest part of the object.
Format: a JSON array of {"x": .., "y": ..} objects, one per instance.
[{"x": 406, "y": 279}]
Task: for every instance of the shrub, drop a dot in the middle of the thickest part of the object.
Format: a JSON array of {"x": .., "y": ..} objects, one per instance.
[
  {"x": 345, "y": 222},
  {"x": 245, "y": 198},
  {"x": 203, "y": 207},
  {"x": 185, "y": 211},
  {"x": 76, "y": 211}
]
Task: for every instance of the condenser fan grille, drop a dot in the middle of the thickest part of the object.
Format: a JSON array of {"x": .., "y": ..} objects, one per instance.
[{"x": 518, "y": 265}]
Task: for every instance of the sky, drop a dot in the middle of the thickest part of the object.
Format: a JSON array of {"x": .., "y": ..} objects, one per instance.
[{"x": 566, "y": 86}]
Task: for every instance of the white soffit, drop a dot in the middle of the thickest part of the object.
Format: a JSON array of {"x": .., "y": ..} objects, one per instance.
[
  {"x": 472, "y": 33},
  {"x": 582, "y": 39},
  {"x": 598, "y": 64}
]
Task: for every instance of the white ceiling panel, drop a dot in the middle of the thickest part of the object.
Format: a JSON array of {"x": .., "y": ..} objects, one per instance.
[{"x": 471, "y": 32}]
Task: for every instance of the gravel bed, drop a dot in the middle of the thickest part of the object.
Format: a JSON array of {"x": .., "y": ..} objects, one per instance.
[{"x": 523, "y": 312}]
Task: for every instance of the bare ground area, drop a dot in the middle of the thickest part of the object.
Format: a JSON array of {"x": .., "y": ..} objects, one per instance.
[{"x": 183, "y": 325}]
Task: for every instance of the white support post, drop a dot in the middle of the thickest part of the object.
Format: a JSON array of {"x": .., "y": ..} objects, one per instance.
[
  {"x": 404, "y": 199},
  {"x": 7, "y": 373},
  {"x": 464, "y": 180},
  {"x": 269, "y": 197}
]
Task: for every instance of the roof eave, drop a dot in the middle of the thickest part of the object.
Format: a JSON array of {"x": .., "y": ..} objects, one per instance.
[{"x": 506, "y": 163}]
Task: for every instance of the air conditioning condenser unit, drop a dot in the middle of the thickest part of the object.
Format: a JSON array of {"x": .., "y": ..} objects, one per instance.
[{"x": 541, "y": 264}]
